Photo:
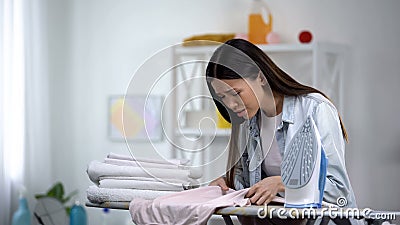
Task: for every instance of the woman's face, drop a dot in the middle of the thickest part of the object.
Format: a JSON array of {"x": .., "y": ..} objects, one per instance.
[{"x": 242, "y": 96}]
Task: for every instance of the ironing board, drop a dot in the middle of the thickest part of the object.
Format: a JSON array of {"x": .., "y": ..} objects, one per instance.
[{"x": 253, "y": 210}]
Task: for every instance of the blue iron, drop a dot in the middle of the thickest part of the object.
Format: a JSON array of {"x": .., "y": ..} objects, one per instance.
[{"x": 303, "y": 168}]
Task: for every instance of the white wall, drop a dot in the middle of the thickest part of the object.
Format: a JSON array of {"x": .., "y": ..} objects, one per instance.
[{"x": 96, "y": 46}]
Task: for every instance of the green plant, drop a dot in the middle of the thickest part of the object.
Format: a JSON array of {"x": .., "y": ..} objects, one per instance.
[{"x": 57, "y": 192}]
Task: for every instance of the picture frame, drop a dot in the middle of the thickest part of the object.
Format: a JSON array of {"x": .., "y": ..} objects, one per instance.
[{"x": 135, "y": 118}]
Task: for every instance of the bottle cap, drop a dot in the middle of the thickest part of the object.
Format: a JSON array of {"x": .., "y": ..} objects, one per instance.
[{"x": 22, "y": 191}]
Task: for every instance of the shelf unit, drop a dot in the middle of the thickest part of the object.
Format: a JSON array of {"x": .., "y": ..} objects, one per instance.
[
  {"x": 325, "y": 64},
  {"x": 209, "y": 132}
]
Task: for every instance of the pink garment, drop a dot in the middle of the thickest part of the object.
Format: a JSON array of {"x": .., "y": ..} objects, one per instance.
[{"x": 187, "y": 207}]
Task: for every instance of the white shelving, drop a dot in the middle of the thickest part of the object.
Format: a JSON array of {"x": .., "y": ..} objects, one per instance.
[
  {"x": 325, "y": 65},
  {"x": 196, "y": 50},
  {"x": 208, "y": 132}
]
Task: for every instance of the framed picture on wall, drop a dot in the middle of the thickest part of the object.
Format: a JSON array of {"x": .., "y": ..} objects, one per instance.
[{"x": 135, "y": 117}]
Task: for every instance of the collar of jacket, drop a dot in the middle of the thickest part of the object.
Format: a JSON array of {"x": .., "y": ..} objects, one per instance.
[{"x": 288, "y": 108}]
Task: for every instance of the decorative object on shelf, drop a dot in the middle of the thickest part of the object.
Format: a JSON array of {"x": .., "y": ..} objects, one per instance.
[
  {"x": 260, "y": 22},
  {"x": 135, "y": 117},
  {"x": 305, "y": 36},
  {"x": 207, "y": 39},
  {"x": 221, "y": 122},
  {"x": 243, "y": 36},
  {"x": 273, "y": 38}
]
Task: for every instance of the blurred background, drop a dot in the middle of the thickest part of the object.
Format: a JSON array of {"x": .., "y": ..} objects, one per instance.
[{"x": 78, "y": 53}]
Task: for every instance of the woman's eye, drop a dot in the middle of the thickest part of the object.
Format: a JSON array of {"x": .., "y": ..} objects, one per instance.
[{"x": 236, "y": 93}]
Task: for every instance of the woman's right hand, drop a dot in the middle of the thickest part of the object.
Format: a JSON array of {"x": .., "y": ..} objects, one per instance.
[{"x": 220, "y": 181}]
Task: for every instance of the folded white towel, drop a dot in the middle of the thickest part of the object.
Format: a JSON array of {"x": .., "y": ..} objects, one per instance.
[
  {"x": 195, "y": 172},
  {"x": 193, "y": 183},
  {"x": 155, "y": 179},
  {"x": 100, "y": 195},
  {"x": 142, "y": 184},
  {"x": 97, "y": 169},
  {"x": 123, "y": 162},
  {"x": 141, "y": 159}
]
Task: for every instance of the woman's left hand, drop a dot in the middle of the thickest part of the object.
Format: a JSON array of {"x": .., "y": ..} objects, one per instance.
[{"x": 264, "y": 191}]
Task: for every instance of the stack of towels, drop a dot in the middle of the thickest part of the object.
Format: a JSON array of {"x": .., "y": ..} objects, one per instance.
[{"x": 121, "y": 178}]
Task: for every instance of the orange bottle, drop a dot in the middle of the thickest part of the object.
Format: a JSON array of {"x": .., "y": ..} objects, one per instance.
[{"x": 260, "y": 22}]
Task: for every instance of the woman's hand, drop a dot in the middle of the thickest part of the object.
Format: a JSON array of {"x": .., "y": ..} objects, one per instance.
[
  {"x": 264, "y": 191},
  {"x": 220, "y": 181}
]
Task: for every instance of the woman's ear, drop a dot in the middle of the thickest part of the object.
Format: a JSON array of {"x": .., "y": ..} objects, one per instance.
[{"x": 261, "y": 78}]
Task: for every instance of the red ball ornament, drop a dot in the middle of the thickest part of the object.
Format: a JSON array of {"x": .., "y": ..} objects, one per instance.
[{"x": 305, "y": 36}]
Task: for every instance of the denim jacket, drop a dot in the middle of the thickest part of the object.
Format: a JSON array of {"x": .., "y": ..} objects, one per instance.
[{"x": 295, "y": 110}]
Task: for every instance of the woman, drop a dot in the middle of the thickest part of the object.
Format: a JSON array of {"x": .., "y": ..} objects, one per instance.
[{"x": 266, "y": 107}]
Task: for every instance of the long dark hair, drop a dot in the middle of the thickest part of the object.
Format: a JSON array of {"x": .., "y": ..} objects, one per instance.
[{"x": 238, "y": 59}]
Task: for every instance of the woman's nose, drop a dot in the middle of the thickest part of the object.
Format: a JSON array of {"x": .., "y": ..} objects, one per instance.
[{"x": 231, "y": 103}]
